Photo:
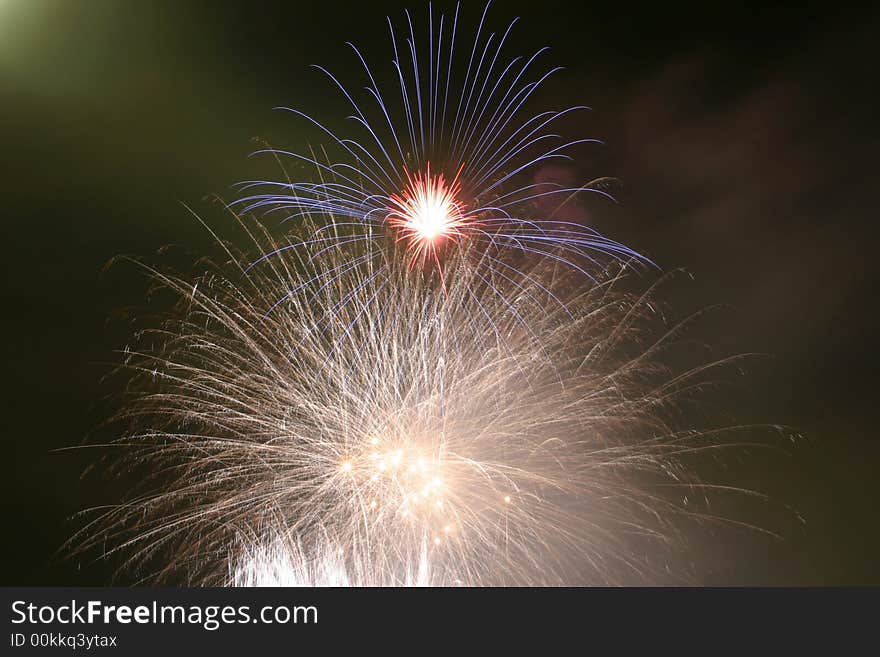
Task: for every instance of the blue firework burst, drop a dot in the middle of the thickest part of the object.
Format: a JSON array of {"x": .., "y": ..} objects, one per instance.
[{"x": 442, "y": 151}]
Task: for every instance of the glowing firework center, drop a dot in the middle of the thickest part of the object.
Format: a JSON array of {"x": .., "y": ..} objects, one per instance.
[
  {"x": 426, "y": 214},
  {"x": 402, "y": 481}
]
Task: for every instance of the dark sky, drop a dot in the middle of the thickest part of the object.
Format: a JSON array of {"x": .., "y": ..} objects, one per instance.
[{"x": 745, "y": 138}]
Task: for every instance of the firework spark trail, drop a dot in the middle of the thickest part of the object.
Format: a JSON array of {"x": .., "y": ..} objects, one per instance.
[
  {"x": 454, "y": 111},
  {"x": 530, "y": 436}
]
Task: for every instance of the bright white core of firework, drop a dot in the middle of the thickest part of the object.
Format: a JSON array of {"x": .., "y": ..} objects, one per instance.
[{"x": 428, "y": 212}]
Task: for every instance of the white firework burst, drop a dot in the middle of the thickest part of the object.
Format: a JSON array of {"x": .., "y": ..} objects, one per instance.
[{"x": 309, "y": 416}]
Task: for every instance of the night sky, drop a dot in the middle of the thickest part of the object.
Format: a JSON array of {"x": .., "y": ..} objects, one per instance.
[{"x": 745, "y": 139}]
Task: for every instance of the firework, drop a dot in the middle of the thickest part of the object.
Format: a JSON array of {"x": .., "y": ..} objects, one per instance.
[
  {"x": 444, "y": 151},
  {"x": 427, "y": 215},
  {"x": 376, "y": 430},
  {"x": 274, "y": 558},
  {"x": 314, "y": 410}
]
